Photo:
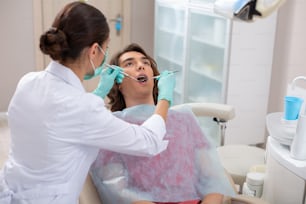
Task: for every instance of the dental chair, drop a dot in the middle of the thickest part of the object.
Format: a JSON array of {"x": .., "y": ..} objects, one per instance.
[
  {"x": 89, "y": 195},
  {"x": 221, "y": 114},
  {"x": 237, "y": 159}
]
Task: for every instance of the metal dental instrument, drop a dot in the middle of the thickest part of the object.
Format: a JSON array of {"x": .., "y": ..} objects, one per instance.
[
  {"x": 125, "y": 74},
  {"x": 170, "y": 72},
  {"x": 141, "y": 79}
]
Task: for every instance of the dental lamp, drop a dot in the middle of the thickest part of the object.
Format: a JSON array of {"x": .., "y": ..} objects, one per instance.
[{"x": 246, "y": 10}]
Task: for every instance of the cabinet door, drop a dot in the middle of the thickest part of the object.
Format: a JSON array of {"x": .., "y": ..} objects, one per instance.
[
  {"x": 206, "y": 63},
  {"x": 191, "y": 39},
  {"x": 170, "y": 24},
  {"x": 206, "y": 67}
]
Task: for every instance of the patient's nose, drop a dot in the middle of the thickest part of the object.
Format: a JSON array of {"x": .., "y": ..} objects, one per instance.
[{"x": 140, "y": 66}]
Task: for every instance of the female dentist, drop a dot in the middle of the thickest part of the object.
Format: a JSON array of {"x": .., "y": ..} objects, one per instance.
[{"x": 57, "y": 128}]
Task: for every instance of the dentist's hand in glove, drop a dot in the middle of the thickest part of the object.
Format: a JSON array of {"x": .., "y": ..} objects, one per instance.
[
  {"x": 166, "y": 84},
  {"x": 107, "y": 79}
]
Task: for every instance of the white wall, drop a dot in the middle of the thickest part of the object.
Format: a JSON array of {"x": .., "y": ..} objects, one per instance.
[
  {"x": 17, "y": 46},
  {"x": 250, "y": 66},
  {"x": 289, "y": 51},
  {"x": 142, "y": 24}
]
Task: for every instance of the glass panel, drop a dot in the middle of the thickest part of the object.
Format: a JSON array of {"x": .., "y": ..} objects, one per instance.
[
  {"x": 205, "y": 62},
  {"x": 163, "y": 64},
  {"x": 171, "y": 19},
  {"x": 207, "y": 29},
  {"x": 169, "y": 43},
  {"x": 170, "y": 47},
  {"x": 203, "y": 89}
]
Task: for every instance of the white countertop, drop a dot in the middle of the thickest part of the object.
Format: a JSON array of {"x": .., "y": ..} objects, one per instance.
[{"x": 281, "y": 153}]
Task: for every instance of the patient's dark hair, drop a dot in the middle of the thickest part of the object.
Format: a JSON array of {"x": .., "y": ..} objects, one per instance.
[
  {"x": 115, "y": 96},
  {"x": 77, "y": 26}
]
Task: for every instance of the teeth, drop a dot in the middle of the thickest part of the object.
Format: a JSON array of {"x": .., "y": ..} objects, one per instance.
[{"x": 142, "y": 78}]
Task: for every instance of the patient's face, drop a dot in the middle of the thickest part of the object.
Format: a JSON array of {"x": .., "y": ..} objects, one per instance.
[{"x": 137, "y": 65}]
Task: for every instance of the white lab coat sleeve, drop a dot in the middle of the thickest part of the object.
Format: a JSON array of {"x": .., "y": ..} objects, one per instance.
[
  {"x": 156, "y": 124},
  {"x": 102, "y": 129},
  {"x": 123, "y": 137}
]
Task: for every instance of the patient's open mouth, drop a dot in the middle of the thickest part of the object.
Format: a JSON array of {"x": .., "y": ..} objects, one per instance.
[{"x": 142, "y": 78}]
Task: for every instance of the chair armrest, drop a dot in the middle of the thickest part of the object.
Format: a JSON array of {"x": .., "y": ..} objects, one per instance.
[
  {"x": 223, "y": 112},
  {"x": 244, "y": 199}
]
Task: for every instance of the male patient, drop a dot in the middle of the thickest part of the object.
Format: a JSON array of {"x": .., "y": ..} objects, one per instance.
[{"x": 188, "y": 171}]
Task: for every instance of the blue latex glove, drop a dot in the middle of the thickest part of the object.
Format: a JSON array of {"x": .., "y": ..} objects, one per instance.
[
  {"x": 107, "y": 79},
  {"x": 166, "y": 84}
]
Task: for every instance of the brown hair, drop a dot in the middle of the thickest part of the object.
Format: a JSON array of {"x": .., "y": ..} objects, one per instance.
[
  {"x": 76, "y": 26},
  {"x": 117, "y": 102}
]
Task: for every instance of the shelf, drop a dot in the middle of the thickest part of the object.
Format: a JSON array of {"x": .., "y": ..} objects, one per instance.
[
  {"x": 206, "y": 9},
  {"x": 172, "y": 61},
  {"x": 202, "y": 99},
  {"x": 197, "y": 99},
  {"x": 171, "y": 32},
  {"x": 207, "y": 74},
  {"x": 218, "y": 45},
  {"x": 170, "y": 15}
]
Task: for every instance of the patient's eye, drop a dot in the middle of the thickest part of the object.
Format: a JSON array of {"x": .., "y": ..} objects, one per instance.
[
  {"x": 146, "y": 62},
  {"x": 129, "y": 64}
]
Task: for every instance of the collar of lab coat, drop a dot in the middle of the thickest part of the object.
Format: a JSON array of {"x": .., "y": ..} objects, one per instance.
[{"x": 64, "y": 73}]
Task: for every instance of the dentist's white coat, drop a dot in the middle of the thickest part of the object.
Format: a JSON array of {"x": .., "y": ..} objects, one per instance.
[{"x": 56, "y": 131}]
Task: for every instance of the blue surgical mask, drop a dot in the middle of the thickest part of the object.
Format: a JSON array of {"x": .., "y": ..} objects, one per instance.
[{"x": 98, "y": 70}]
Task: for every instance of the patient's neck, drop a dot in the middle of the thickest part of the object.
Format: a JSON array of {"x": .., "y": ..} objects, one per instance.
[{"x": 129, "y": 102}]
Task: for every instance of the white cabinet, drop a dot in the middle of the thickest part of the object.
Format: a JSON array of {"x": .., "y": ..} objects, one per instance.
[
  {"x": 218, "y": 61},
  {"x": 206, "y": 70},
  {"x": 191, "y": 39},
  {"x": 169, "y": 45},
  {"x": 282, "y": 169}
]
